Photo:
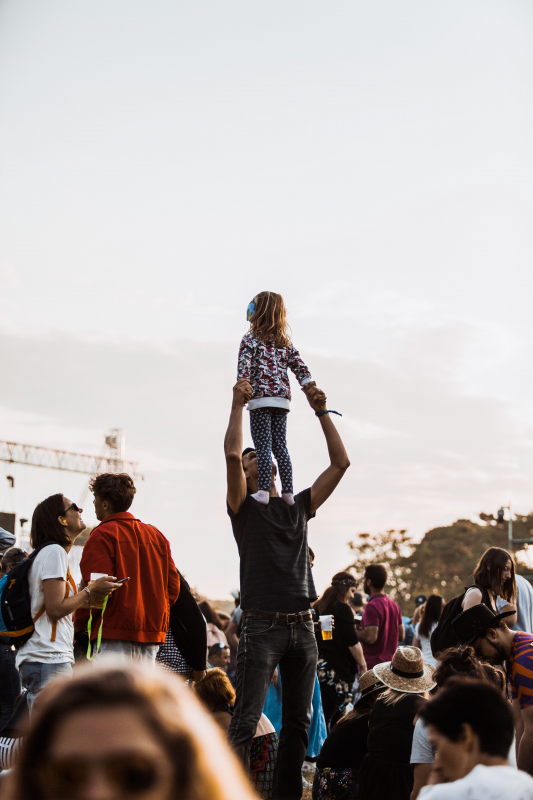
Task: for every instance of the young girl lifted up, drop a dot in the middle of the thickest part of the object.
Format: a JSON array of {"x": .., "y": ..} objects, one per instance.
[{"x": 265, "y": 354}]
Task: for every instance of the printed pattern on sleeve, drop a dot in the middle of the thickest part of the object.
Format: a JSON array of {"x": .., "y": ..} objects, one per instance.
[
  {"x": 265, "y": 366},
  {"x": 520, "y": 669}
]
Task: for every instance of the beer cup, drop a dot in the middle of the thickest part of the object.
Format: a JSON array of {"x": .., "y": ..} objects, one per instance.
[
  {"x": 97, "y": 602},
  {"x": 327, "y": 631}
]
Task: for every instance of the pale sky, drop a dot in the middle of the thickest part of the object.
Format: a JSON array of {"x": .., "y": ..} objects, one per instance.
[{"x": 161, "y": 163}]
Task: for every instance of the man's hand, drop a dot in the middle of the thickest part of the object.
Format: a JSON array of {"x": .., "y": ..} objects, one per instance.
[
  {"x": 242, "y": 392},
  {"x": 315, "y": 396}
]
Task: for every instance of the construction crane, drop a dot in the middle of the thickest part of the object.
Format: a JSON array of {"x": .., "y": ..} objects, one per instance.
[{"x": 112, "y": 459}]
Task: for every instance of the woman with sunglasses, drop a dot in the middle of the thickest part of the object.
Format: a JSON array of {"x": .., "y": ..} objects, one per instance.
[
  {"x": 55, "y": 526},
  {"x": 124, "y": 734}
]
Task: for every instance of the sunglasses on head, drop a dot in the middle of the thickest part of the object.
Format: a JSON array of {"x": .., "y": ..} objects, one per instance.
[
  {"x": 75, "y": 507},
  {"x": 131, "y": 776}
]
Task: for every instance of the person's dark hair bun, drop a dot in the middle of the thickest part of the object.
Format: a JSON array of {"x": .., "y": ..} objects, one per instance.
[{"x": 458, "y": 661}]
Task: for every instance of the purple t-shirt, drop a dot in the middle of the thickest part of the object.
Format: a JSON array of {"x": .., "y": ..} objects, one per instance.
[{"x": 385, "y": 613}]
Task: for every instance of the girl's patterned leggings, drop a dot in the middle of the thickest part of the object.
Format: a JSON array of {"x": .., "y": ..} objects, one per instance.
[{"x": 269, "y": 433}]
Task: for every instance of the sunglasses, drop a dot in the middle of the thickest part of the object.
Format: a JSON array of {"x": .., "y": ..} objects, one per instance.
[
  {"x": 131, "y": 776},
  {"x": 75, "y": 507}
]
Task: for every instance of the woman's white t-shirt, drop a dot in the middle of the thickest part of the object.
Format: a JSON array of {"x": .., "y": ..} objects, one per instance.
[
  {"x": 425, "y": 645},
  {"x": 51, "y": 562}
]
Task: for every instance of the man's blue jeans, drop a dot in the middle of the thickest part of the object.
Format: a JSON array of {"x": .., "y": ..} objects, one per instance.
[
  {"x": 36, "y": 674},
  {"x": 264, "y": 644}
]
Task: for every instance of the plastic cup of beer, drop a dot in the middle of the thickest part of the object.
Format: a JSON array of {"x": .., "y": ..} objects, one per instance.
[
  {"x": 327, "y": 628},
  {"x": 97, "y": 602}
]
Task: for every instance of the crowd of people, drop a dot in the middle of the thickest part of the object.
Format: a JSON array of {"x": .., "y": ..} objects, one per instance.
[{"x": 127, "y": 686}]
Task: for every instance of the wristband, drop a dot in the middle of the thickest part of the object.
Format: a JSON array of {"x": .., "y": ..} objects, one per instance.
[
  {"x": 86, "y": 589},
  {"x": 329, "y": 411}
]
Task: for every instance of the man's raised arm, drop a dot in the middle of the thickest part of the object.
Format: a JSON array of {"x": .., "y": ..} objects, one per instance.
[
  {"x": 326, "y": 483},
  {"x": 242, "y": 391}
]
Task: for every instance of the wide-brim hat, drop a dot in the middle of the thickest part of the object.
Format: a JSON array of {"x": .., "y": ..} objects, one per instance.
[
  {"x": 406, "y": 672},
  {"x": 369, "y": 682},
  {"x": 469, "y": 625}
]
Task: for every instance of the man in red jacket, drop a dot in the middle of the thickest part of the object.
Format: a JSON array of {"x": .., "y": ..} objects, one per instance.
[{"x": 136, "y": 619}]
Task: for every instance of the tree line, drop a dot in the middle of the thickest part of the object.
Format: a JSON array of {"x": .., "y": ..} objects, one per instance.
[{"x": 443, "y": 562}]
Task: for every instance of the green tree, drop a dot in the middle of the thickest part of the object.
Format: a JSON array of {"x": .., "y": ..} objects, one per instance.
[
  {"x": 443, "y": 562},
  {"x": 392, "y": 548}
]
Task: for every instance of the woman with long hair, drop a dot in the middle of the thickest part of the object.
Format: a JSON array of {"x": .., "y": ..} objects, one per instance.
[
  {"x": 429, "y": 621},
  {"x": 265, "y": 355},
  {"x": 55, "y": 526},
  {"x": 386, "y": 770},
  {"x": 337, "y": 766},
  {"x": 494, "y": 577},
  {"x": 121, "y": 733},
  {"x": 338, "y": 657},
  {"x": 217, "y": 695}
]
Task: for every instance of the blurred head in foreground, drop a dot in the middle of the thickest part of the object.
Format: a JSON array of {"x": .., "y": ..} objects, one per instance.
[{"x": 112, "y": 733}]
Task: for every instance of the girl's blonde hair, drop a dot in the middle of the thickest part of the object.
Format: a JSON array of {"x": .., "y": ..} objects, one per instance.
[
  {"x": 269, "y": 320},
  {"x": 392, "y": 696},
  {"x": 204, "y": 766}
]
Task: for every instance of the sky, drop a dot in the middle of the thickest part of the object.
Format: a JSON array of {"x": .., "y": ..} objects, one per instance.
[{"x": 161, "y": 163}]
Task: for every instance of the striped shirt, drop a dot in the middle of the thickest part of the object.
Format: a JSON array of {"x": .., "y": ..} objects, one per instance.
[{"x": 520, "y": 669}]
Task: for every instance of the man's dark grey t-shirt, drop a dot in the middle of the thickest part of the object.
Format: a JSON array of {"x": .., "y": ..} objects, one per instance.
[{"x": 272, "y": 540}]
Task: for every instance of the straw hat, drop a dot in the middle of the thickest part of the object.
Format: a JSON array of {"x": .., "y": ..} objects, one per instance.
[
  {"x": 368, "y": 683},
  {"x": 406, "y": 672}
]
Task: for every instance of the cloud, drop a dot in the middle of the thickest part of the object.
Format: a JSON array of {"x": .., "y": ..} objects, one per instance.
[{"x": 423, "y": 451}]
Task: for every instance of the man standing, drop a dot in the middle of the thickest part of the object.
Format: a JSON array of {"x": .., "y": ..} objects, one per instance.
[
  {"x": 136, "y": 620},
  {"x": 493, "y": 641},
  {"x": 382, "y": 625},
  {"x": 276, "y": 592}
]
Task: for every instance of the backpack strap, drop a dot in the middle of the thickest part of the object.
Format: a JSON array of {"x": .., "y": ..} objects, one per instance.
[{"x": 69, "y": 583}]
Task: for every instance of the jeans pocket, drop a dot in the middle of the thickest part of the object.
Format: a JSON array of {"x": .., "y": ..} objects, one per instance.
[{"x": 255, "y": 626}]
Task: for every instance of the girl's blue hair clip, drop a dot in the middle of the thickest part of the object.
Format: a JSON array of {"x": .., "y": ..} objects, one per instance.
[{"x": 250, "y": 311}]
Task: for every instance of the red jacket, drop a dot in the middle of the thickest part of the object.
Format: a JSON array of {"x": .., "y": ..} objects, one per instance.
[{"x": 125, "y": 547}]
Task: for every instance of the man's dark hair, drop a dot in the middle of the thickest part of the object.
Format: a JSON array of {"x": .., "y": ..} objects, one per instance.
[
  {"x": 247, "y": 450},
  {"x": 377, "y": 575},
  {"x": 45, "y": 525},
  {"x": 476, "y": 703},
  {"x": 216, "y": 648},
  {"x": 119, "y": 490}
]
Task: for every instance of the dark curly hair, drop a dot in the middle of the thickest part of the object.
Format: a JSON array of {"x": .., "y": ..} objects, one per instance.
[
  {"x": 118, "y": 489},
  {"x": 463, "y": 663}
]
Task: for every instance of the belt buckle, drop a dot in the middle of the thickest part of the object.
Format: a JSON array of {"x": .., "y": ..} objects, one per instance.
[{"x": 295, "y": 620}]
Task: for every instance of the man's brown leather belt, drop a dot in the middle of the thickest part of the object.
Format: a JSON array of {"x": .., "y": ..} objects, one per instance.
[{"x": 288, "y": 619}]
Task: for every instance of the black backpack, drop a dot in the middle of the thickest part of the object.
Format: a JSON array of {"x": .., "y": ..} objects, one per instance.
[
  {"x": 16, "y": 621},
  {"x": 443, "y": 636}
]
